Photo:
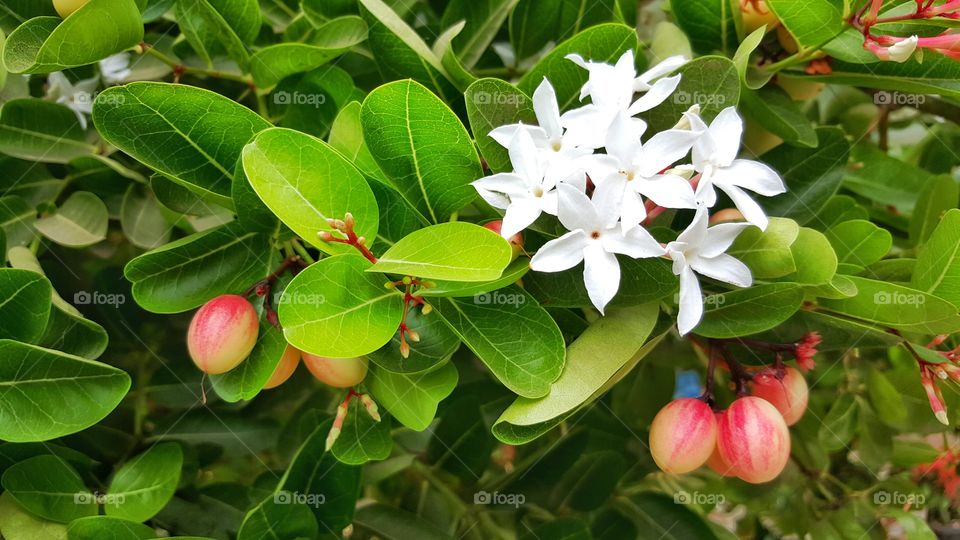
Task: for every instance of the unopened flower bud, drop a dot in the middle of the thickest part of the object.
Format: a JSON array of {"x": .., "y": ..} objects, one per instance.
[
  {"x": 427, "y": 308},
  {"x": 371, "y": 406}
]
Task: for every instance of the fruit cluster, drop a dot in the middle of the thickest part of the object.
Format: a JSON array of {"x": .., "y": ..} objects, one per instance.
[{"x": 749, "y": 440}]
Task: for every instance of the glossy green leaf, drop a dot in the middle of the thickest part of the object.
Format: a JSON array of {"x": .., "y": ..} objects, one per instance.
[
  {"x": 142, "y": 487},
  {"x": 885, "y": 179},
  {"x": 496, "y": 327},
  {"x": 886, "y": 399},
  {"x": 190, "y": 135},
  {"x": 816, "y": 260},
  {"x": 709, "y": 81},
  {"x": 492, "y": 103},
  {"x": 245, "y": 381},
  {"x": 49, "y": 488},
  {"x": 483, "y": 20},
  {"x": 459, "y": 289},
  {"x": 709, "y": 23},
  {"x": 186, "y": 273},
  {"x": 142, "y": 219},
  {"x": 80, "y": 221},
  {"x": 363, "y": 439},
  {"x": 100, "y": 527},
  {"x": 812, "y": 23},
  {"x": 607, "y": 349},
  {"x": 335, "y": 308},
  {"x": 641, "y": 281},
  {"x": 437, "y": 343},
  {"x": 840, "y": 424},
  {"x": 278, "y": 519},
  {"x": 305, "y": 183},
  {"x": 16, "y": 220},
  {"x": 749, "y": 311},
  {"x": 25, "y": 307},
  {"x": 776, "y": 111},
  {"x": 57, "y": 393},
  {"x": 346, "y": 137},
  {"x": 390, "y": 523},
  {"x": 412, "y": 398},
  {"x": 213, "y": 27},
  {"x": 455, "y": 251},
  {"x": 768, "y": 253},
  {"x": 938, "y": 196},
  {"x": 937, "y": 74},
  {"x": 16, "y": 523},
  {"x": 422, "y": 147},
  {"x": 535, "y": 23},
  {"x": 97, "y": 30},
  {"x": 938, "y": 266},
  {"x": 39, "y": 130},
  {"x": 898, "y": 307},
  {"x": 859, "y": 243}
]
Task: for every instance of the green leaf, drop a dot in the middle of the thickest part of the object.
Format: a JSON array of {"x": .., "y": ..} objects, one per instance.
[
  {"x": 710, "y": 81},
  {"x": 512, "y": 274},
  {"x": 661, "y": 517},
  {"x": 768, "y": 252},
  {"x": 603, "y": 354},
  {"x": 422, "y": 147},
  {"x": 896, "y": 306},
  {"x": 216, "y": 26},
  {"x": 818, "y": 259},
  {"x": 184, "y": 274},
  {"x": 749, "y": 311},
  {"x": 278, "y": 520},
  {"x": 840, "y": 424},
  {"x": 190, "y": 135},
  {"x": 49, "y": 488},
  {"x": 80, "y": 221},
  {"x": 25, "y": 307},
  {"x": 776, "y": 111},
  {"x": 270, "y": 65},
  {"x": 535, "y": 23},
  {"x": 709, "y": 23},
  {"x": 144, "y": 485},
  {"x": 437, "y": 343},
  {"x": 859, "y": 242},
  {"x": 483, "y": 20},
  {"x": 18, "y": 524},
  {"x": 913, "y": 527},
  {"x": 886, "y": 400},
  {"x": 885, "y": 179},
  {"x": 938, "y": 196},
  {"x": 335, "y": 308},
  {"x": 97, "y": 30},
  {"x": 812, "y": 176},
  {"x": 100, "y": 527},
  {"x": 346, "y": 137},
  {"x": 17, "y": 12},
  {"x": 412, "y": 398},
  {"x": 812, "y": 23},
  {"x": 57, "y": 394},
  {"x": 641, "y": 281},
  {"x": 245, "y": 381},
  {"x": 455, "y": 251},
  {"x": 602, "y": 43},
  {"x": 363, "y": 439},
  {"x": 389, "y": 523},
  {"x": 400, "y": 53},
  {"x": 142, "y": 219},
  {"x": 492, "y": 103},
  {"x": 16, "y": 220},
  {"x": 39, "y": 130},
  {"x": 497, "y": 326},
  {"x": 938, "y": 266},
  {"x": 938, "y": 74},
  {"x": 305, "y": 182}
]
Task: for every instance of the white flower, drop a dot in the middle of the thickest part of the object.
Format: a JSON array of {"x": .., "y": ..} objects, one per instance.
[
  {"x": 525, "y": 193},
  {"x": 612, "y": 88},
  {"x": 594, "y": 238},
  {"x": 115, "y": 69},
  {"x": 903, "y": 50},
  {"x": 77, "y": 97},
  {"x": 559, "y": 149},
  {"x": 699, "y": 250},
  {"x": 634, "y": 169},
  {"x": 715, "y": 157}
]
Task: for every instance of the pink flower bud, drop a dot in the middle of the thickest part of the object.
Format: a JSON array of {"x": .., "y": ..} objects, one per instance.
[
  {"x": 789, "y": 395},
  {"x": 754, "y": 440},
  {"x": 286, "y": 367},
  {"x": 683, "y": 435},
  {"x": 222, "y": 333},
  {"x": 337, "y": 372}
]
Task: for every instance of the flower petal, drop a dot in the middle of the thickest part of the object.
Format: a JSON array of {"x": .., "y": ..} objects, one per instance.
[
  {"x": 623, "y": 140},
  {"x": 525, "y": 157},
  {"x": 753, "y": 175},
  {"x": 696, "y": 232},
  {"x": 561, "y": 253},
  {"x": 547, "y": 109},
  {"x": 691, "y": 302},
  {"x": 657, "y": 94},
  {"x": 520, "y": 214},
  {"x": 601, "y": 275},
  {"x": 721, "y": 237},
  {"x": 587, "y": 126},
  {"x": 668, "y": 65},
  {"x": 751, "y": 211},
  {"x": 510, "y": 184},
  {"x": 666, "y": 190},
  {"x": 664, "y": 149},
  {"x": 726, "y": 130},
  {"x": 725, "y": 268},
  {"x": 576, "y": 211},
  {"x": 637, "y": 243},
  {"x": 504, "y": 134},
  {"x": 608, "y": 200},
  {"x": 633, "y": 210}
]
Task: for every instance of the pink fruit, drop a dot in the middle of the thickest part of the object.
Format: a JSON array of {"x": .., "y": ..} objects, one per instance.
[
  {"x": 516, "y": 241},
  {"x": 715, "y": 461},
  {"x": 285, "y": 368},
  {"x": 789, "y": 396},
  {"x": 683, "y": 435},
  {"x": 756, "y": 14},
  {"x": 222, "y": 333},
  {"x": 753, "y": 439},
  {"x": 337, "y": 372}
]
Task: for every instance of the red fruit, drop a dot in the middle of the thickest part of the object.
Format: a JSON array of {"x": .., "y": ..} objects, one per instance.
[
  {"x": 285, "y": 368},
  {"x": 715, "y": 461},
  {"x": 753, "y": 439},
  {"x": 337, "y": 372},
  {"x": 516, "y": 242},
  {"x": 683, "y": 435},
  {"x": 789, "y": 396},
  {"x": 222, "y": 333}
]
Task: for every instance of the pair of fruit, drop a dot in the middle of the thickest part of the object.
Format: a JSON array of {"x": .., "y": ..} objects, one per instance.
[
  {"x": 749, "y": 440},
  {"x": 224, "y": 332}
]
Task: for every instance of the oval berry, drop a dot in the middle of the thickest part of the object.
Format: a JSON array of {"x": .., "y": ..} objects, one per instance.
[
  {"x": 222, "y": 333},
  {"x": 337, "y": 372},
  {"x": 753, "y": 440},
  {"x": 66, "y": 7},
  {"x": 789, "y": 395},
  {"x": 682, "y": 435},
  {"x": 285, "y": 368}
]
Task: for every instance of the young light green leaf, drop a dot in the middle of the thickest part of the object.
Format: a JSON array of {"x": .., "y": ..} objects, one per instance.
[
  {"x": 938, "y": 196},
  {"x": 144, "y": 485},
  {"x": 768, "y": 252},
  {"x": 859, "y": 243},
  {"x": 53, "y": 393},
  {"x": 49, "y": 488},
  {"x": 459, "y": 289},
  {"x": 80, "y": 221},
  {"x": 305, "y": 182},
  {"x": 938, "y": 267},
  {"x": 346, "y": 137},
  {"x": 39, "y": 130},
  {"x": 816, "y": 260},
  {"x": 412, "y": 398},
  {"x": 335, "y": 308},
  {"x": 457, "y": 251},
  {"x": 16, "y": 523},
  {"x": 216, "y": 26},
  {"x": 496, "y": 327},
  {"x": 190, "y": 135},
  {"x": 422, "y": 147},
  {"x": 812, "y": 22}
]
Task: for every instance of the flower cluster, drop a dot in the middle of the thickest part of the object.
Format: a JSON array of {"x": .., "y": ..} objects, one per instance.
[
  {"x": 596, "y": 171},
  {"x": 900, "y": 49}
]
